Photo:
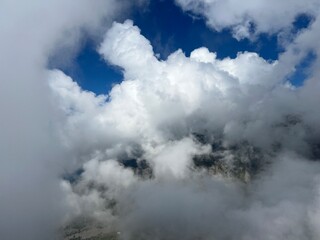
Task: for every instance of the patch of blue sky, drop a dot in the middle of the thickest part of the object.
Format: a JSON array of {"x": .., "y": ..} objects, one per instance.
[{"x": 302, "y": 70}]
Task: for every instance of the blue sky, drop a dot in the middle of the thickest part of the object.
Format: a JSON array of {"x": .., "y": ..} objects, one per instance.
[{"x": 168, "y": 28}]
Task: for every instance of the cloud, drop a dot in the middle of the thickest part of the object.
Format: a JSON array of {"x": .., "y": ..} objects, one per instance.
[
  {"x": 190, "y": 147},
  {"x": 222, "y": 148},
  {"x": 250, "y": 17},
  {"x": 276, "y": 207}
]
